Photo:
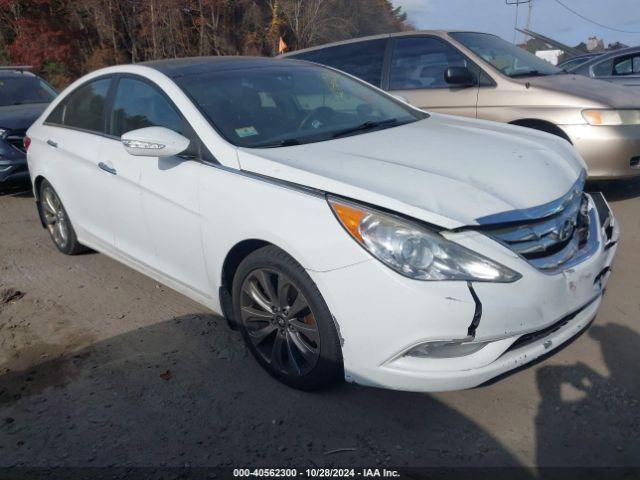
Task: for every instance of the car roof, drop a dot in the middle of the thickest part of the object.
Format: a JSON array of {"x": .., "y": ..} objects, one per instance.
[
  {"x": 408, "y": 33},
  {"x": 586, "y": 55},
  {"x": 193, "y": 65},
  {"x": 620, "y": 52},
  {"x": 10, "y": 73}
]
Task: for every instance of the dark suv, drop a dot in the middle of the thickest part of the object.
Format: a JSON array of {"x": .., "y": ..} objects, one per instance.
[{"x": 23, "y": 97}]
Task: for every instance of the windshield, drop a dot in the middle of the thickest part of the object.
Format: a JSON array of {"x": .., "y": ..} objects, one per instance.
[
  {"x": 507, "y": 58},
  {"x": 290, "y": 105},
  {"x": 21, "y": 90}
]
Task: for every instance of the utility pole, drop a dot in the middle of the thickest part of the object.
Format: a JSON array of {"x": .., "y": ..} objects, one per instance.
[
  {"x": 517, "y": 3},
  {"x": 528, "y": 27}
]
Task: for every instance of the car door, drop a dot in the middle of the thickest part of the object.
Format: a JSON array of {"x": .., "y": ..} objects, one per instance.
[
  {"x": 416, "y": 73},
  {"x": 75, "y": 132},
  {"x": 156, "y": 215}
]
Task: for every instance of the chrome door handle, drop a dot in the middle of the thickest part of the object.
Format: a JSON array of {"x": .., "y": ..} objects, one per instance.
[
  {"x": 51, "y": 143},
  {"x": 107, "y": 168}
]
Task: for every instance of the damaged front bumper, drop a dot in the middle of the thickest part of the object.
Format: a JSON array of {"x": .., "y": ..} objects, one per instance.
[{"x": 383, "y": 317}]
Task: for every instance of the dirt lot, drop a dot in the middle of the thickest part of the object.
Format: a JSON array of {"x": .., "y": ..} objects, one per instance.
[{"x": 101, "y": 366}]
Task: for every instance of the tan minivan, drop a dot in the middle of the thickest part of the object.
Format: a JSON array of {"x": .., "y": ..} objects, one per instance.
[{"x": 480, "y": 75}]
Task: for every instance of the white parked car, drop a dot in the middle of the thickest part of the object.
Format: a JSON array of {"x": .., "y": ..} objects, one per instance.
[{"x": 343, "y": 232}]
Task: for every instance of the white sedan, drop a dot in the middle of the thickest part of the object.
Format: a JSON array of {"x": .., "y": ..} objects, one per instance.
[{"x": 343, "y": 232}]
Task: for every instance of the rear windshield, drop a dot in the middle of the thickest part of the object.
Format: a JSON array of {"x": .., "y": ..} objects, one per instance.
[
  {"x": 290, "y": 105},
  {"x": 21, "y": 90}
]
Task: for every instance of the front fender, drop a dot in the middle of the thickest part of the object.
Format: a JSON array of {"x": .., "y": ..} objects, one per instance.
[{"x": 236, "y": 207}]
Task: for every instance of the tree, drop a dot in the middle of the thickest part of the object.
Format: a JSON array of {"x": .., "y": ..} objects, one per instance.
[{"x": 64, "y": 39}]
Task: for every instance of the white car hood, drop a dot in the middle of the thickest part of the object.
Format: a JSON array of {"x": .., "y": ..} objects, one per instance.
[{"x": 445, "y": 170}]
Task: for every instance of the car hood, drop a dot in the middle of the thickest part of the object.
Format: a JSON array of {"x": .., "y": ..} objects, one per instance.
[
  {"x": 20, "y": 117},
  {"x": 599, "y": 91},
  {"x": 445, "y": 170}
]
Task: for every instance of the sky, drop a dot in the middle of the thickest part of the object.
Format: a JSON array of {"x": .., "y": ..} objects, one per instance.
[{"x": 548, "y": 18}]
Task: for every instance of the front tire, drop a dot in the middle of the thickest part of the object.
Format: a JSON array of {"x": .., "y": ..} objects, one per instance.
[
  {"x": 57, "y": 221},
  {"x": 285, "y": 322}
]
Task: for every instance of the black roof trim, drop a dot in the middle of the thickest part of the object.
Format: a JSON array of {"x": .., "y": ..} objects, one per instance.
[{"x": 193, "y": 65}]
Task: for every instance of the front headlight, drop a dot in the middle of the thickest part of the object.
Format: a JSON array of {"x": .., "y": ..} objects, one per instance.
[
  {"x": 415, "y": 251},
  {"x": 2, "y": 132},
  {"x": 612, "y": 117}
]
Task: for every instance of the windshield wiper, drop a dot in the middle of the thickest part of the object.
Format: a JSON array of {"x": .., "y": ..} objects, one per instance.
[
  {"x": 368, "y": 125},
  {"x": 27, "y": 102},
  {"x": 530, "y": 73},
  {"x": 288, "y": 142}
]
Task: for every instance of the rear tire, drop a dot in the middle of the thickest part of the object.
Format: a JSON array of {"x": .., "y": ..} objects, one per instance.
[
  {"x": 57, "y": 221},
  {"x": 285, "y": 322}
]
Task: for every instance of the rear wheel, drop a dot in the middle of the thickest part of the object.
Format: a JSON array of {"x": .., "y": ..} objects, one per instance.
[
  {"x": 57, "y": 221},
  {"x": 285, "y": 321}
]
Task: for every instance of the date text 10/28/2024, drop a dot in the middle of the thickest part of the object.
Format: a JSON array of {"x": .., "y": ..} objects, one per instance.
[{"x": 316, "y": 473}]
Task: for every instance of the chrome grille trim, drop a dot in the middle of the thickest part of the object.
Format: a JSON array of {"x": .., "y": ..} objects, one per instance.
[
  {"x": 576, "y": 253},
  {"x": 557, "y": 241},
  {"x": 540, "y": 211},
  {"x": 538, "y": 237}
]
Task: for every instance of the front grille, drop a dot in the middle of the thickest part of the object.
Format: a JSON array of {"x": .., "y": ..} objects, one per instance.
[
  {"x": 16, "y": 138},
  {"x": 549, "y": 242},
  {"x": 550, "y": 237}
]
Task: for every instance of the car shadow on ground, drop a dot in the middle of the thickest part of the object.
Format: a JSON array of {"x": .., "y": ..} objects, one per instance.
[
  {"x": 186, "y": 391},
  {"x": 615, "y": 190},
  {"x": 590, "y": 418}
]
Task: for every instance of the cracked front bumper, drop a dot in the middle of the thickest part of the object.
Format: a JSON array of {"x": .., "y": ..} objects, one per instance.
[{"x": 382, "y": 315}]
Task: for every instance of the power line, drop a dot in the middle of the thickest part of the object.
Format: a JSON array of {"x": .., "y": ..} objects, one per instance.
[{"x": 593, "y": 21}]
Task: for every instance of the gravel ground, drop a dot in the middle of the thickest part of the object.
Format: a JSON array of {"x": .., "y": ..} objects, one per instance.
[{"x": 101, "y": 366}]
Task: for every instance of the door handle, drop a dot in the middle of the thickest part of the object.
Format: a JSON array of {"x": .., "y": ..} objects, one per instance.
[
  {"x": 51, "y": 143},
  {"x": 107, "y": 168}
]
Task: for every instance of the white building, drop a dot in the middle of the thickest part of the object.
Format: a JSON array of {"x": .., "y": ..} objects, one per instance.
[{"x": 550, "y": 56}]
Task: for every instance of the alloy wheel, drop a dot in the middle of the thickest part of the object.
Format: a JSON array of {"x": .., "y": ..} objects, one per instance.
[
  {"x": 279, "y": 322},
  {"x": 55, "y": 217}
]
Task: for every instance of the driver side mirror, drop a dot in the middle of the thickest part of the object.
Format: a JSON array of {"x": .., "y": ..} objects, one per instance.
[
  {"x": 459, "y": 76},
  {"x": 154, "y": 142}
]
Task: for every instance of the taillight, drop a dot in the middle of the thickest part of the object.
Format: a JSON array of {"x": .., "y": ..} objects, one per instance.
[{"x": 26, "y": 141}]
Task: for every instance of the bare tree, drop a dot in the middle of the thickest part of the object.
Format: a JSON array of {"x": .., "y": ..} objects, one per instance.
[{"x": 66, "y": 38}]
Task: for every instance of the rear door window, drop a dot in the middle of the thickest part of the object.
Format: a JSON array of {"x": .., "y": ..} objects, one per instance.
[
  {"x": 361, "y": 59},
  {"x": 83, "y": 108},
  {"x": 420, "y": 62}
]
